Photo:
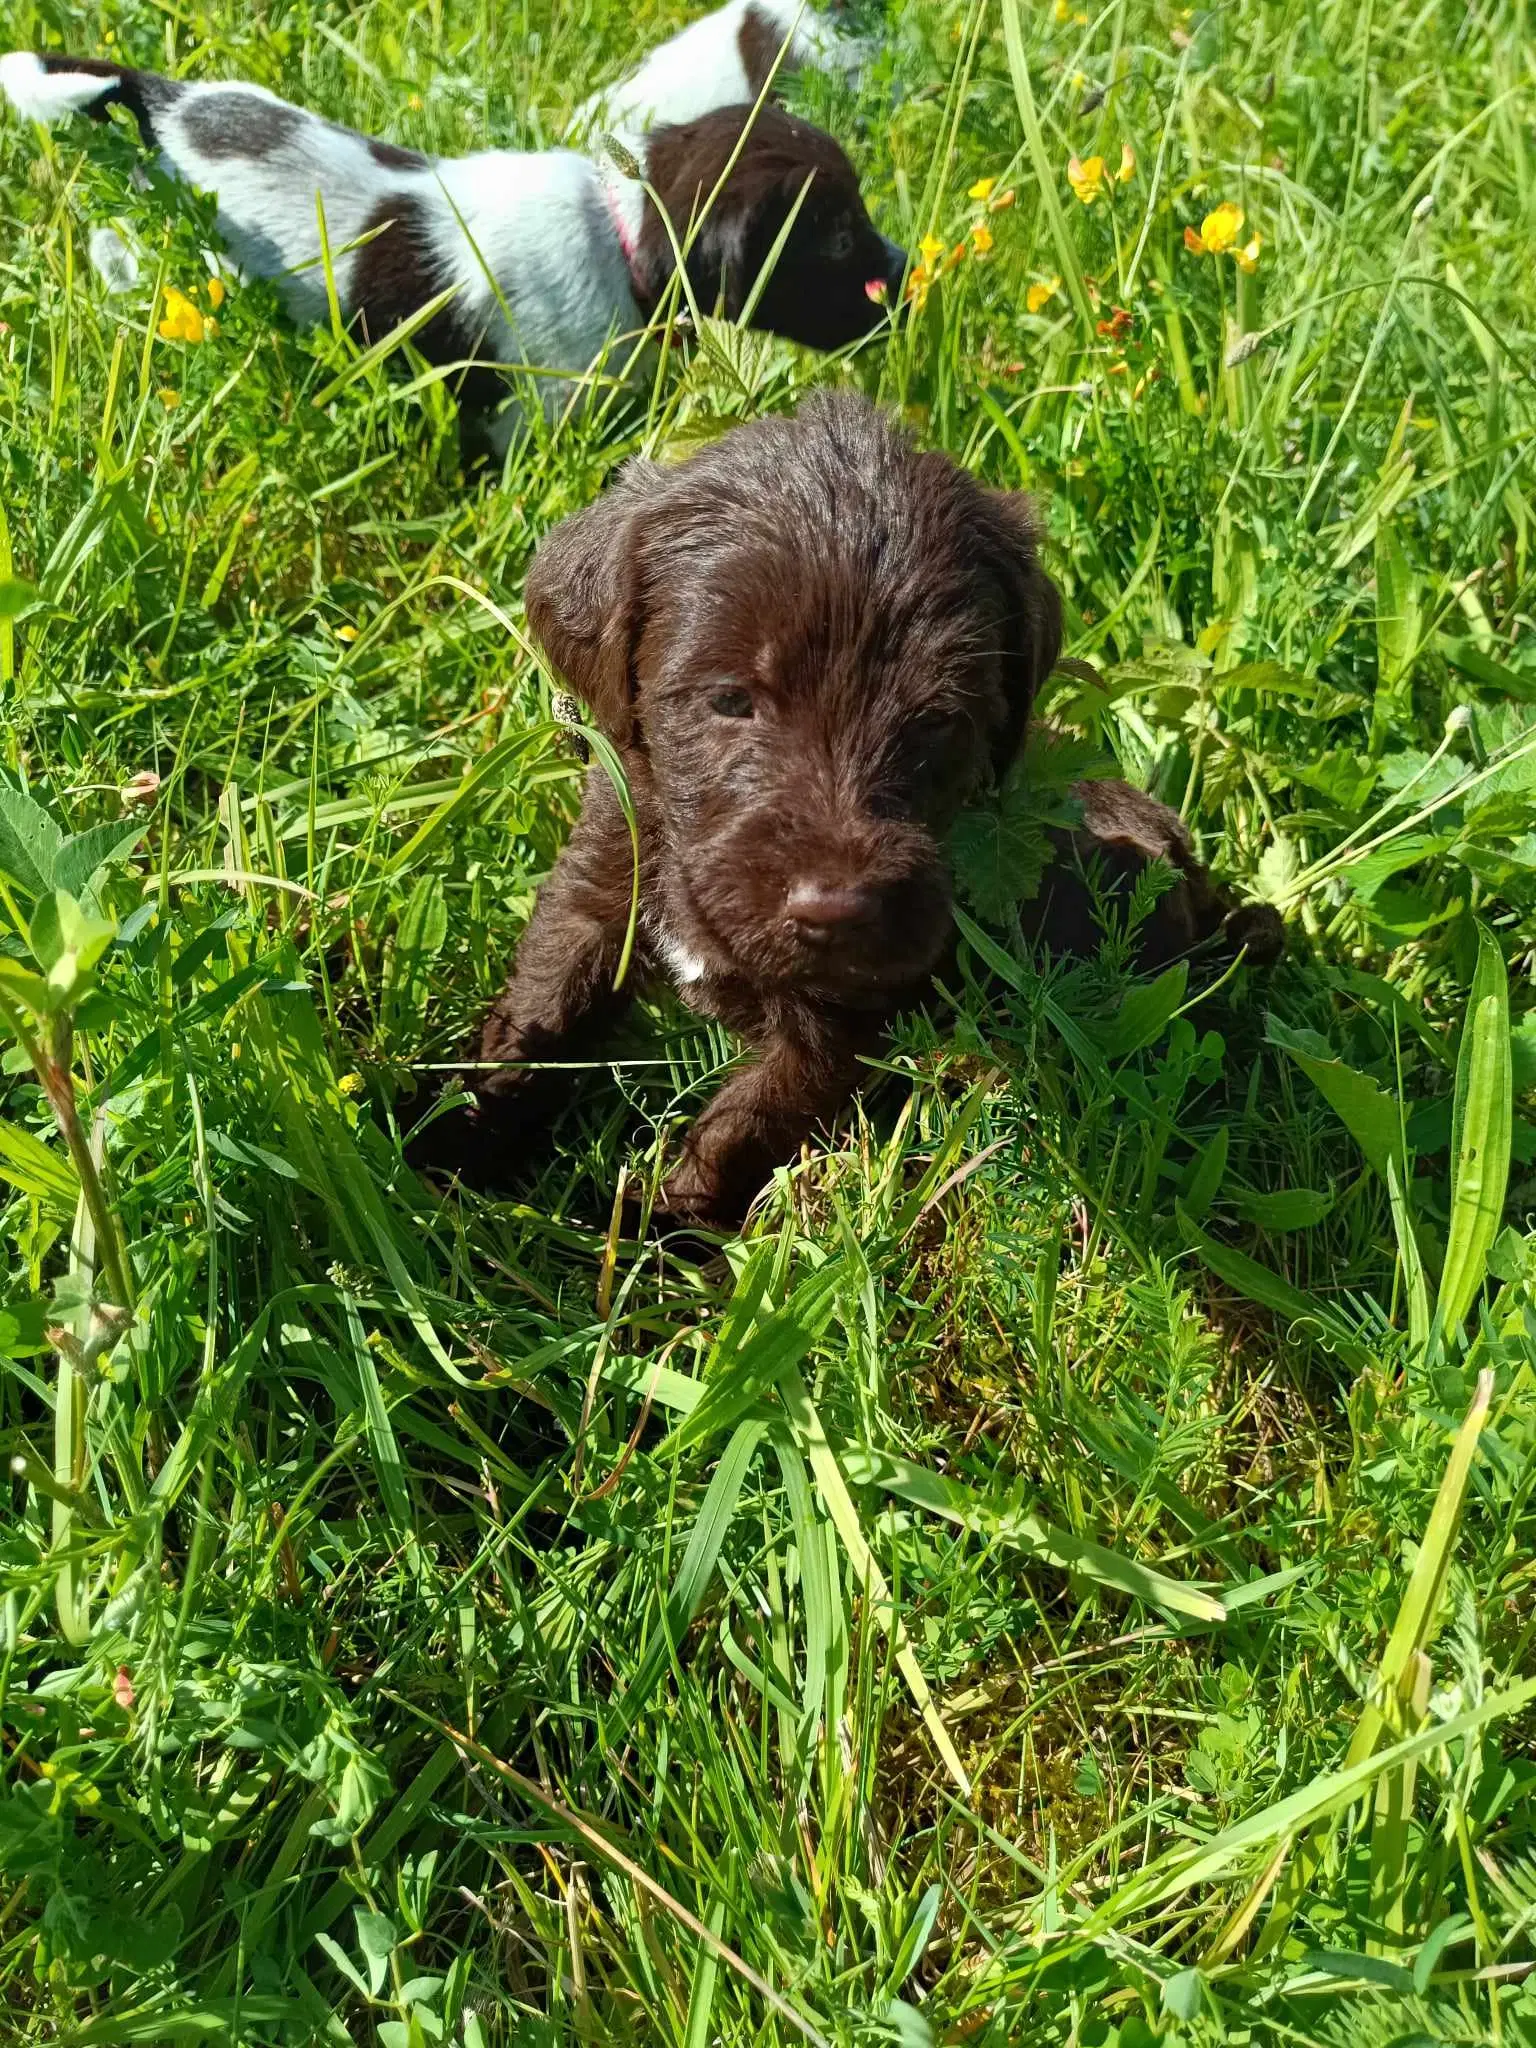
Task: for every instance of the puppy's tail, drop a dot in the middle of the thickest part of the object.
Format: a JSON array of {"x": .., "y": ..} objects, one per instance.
[{"x": 47, "y": 89}]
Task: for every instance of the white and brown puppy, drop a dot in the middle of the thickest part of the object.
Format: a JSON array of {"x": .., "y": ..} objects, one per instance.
[
  {"x": 550, "y": 256},
  {"x": 719, "y": 60}
]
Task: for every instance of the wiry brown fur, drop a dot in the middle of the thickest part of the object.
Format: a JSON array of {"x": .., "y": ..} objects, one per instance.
[{"x": 810, "y": 644}]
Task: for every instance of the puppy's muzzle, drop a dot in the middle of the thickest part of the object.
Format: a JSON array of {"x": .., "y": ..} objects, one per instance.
[{"x": 885, "y": 290}]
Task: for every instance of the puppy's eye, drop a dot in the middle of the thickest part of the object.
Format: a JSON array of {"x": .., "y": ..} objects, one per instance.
[
  {"x": 933, "y": 734},
  {"x": 731, "y": 703}
]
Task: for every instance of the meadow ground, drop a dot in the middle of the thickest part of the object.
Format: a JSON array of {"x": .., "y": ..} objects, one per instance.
[{"x": 1067, "y": 1577}]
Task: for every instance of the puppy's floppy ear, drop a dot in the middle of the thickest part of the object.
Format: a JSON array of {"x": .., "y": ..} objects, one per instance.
[
  {"x": 1029, "y": 611},
  {"x": 585, "y": 597}
]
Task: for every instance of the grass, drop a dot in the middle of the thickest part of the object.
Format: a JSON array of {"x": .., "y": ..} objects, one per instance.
[{"x": 1066, "y": 1576}]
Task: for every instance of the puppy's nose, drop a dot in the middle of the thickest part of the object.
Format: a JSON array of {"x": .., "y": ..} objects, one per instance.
[
  {"x": 896, "y": 261},
  {"x": 821, "y": 909}
]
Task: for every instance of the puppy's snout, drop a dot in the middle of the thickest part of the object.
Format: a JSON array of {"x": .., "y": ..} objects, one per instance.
[
  {"x": 896, "y": 261},
  {"x": 825, "y": 910}
]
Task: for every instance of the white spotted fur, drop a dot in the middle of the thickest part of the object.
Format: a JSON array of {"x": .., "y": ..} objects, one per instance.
[
  {"x": 700, "y": 68},
  {"x": 537, "y": 224}
]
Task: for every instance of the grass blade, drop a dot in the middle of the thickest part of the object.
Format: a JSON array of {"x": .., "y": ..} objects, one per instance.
[{"x": 1482, "y": 1129}]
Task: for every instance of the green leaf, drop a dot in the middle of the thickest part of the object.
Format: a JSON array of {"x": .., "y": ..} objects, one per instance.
[
  {"x": 1494, "y": 675},
  {"x": 915, "y": 1940},
  {"x": 1287, "y": 1209},
  {"x": 29, "y": 842},
  {"x": 1259, "y": 1284},
  {"x": 1482, "y": 1124},
  {"x": 779, "y": 1340},
  {"x": 81, "y": 858},
  {"x": 1003, "y": 1520},
  {"x": 68, "y": 941},
  {"x": 1207, "y": 1169},
  {"x": 419, "y": 938},
  {"x": 17, "y": 596},
  {"x": 47, "y": 1176},
  {"x": 382, "y": 1441},
  {"x": 1412, "y": 1261},
  {"x": 705, "y": 1541},
  {"x": 1371, "y": 1116},
  {"x": 1184, "y": 1995},
  {"x": 1145, "y": 1012},
  {"x": 376, "y": 1938},
  {"x": 1399, "y": 621},
  {"x": 999, "y": 849},
  {"x": 343, "y": 1962},
  {"x": 25, "y": 988}
]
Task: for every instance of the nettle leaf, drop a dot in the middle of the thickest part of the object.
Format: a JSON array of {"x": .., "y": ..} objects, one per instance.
[{"x": 999, "y": 850}]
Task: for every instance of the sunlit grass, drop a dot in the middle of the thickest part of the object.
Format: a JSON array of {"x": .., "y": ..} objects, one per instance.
[{"x": 1044, "y": 1585}]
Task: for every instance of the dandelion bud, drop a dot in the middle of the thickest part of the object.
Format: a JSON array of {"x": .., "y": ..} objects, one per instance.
[
  {"x": 1425, "y": 207},
  {"x": 1459, "y": 720}
]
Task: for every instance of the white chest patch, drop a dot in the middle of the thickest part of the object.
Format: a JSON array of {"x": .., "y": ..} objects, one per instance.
[{"x": 683, "y": 965}]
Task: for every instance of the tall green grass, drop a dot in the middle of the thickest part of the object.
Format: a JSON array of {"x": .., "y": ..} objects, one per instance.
[{"x": 1065, "y": 1576}]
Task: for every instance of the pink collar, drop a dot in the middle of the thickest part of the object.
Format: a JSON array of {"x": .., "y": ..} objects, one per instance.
[{"x": 628, "y": 241}]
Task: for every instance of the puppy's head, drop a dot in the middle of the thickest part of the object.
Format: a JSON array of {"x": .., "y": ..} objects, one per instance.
[
  {"x": 821, "y": 642},
  {"x": 836, "y": 273}
]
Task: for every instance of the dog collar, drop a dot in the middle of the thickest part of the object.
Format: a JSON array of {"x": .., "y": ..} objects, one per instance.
[{"x": 614, "y": 193}]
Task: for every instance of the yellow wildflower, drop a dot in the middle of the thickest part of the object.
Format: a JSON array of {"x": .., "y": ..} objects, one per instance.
[
  {"x": 981, "y": 238},
  {"x": 1247, "y": 258},
  {"x": 414, "y": 103},
  {"x": 982, "y": 189},
  {"x": 347, "y": 633},
  {"x": 349, "y": 1084},
  {"x": 216, "y": 293},
  {"x": 1086, "y": 179},
  {"x": 1040, "y": 295},
  {"x": 930, "y": 248},
  {"x": 1218, "y": 231},
  {"x": 169, "y": 399},
  {"x": 1127, "y": 162},
  {"x": 182, "y": 321},
  {"x": 1062, "y": 11}
]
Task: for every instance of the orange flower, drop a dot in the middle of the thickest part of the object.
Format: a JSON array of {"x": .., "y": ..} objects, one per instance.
[{"x": 981, "y": 238}]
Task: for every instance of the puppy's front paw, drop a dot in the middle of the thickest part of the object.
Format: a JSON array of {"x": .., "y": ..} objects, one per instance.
[
  {"x": 693, "y": 1195},
  {"x": 1258, "y": 928},
  {"x": 474, "y": 1140}
]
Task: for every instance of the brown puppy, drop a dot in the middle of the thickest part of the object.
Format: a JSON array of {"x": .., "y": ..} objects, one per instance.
[{"x": 810, "y": 644}]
